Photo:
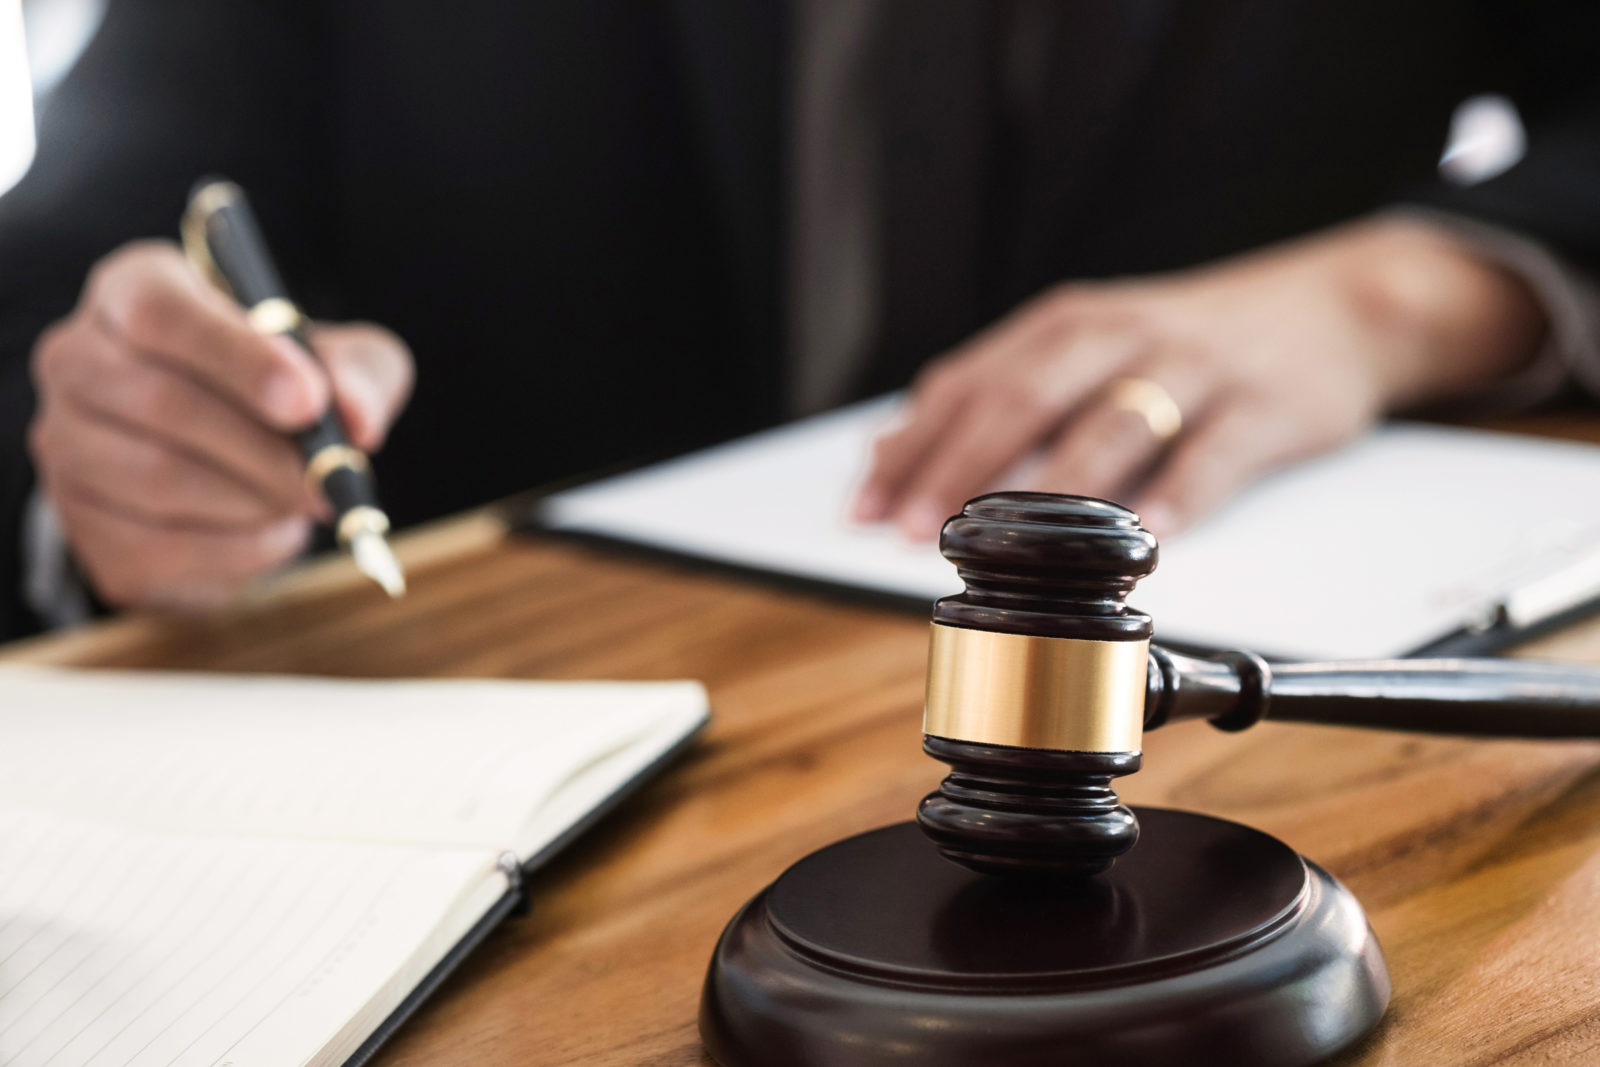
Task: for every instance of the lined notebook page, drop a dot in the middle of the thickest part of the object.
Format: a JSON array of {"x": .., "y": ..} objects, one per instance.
[
  {"x": 154, "y": 950},
  {"x": 250, "y": 871},
  {"x": 497, "y": 764}
]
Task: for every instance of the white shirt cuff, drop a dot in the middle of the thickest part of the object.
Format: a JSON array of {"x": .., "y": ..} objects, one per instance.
[{"x": 51, "y": 585}]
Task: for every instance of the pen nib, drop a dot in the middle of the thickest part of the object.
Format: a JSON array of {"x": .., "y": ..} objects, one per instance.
[{"x": 376, "y": 561}]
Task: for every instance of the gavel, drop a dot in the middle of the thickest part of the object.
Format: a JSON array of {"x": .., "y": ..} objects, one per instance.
[
  {"x": 1051, "y": 938},
  {"x": 1041, "y": 682}
]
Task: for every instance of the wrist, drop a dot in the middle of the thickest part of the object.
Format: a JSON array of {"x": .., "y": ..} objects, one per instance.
[{"x": 1444, "y": 318}]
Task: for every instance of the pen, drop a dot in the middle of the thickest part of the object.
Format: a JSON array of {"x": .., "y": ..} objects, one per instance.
[{"x": 220, "y": 236}]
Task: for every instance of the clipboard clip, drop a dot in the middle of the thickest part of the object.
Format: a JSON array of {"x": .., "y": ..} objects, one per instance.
[{"x": 1548, "y": 597}]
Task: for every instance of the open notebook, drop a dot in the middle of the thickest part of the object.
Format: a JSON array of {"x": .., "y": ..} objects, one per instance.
[
  {"x": 1415, "y": 538},
  {"x": 250, "y": 871}
]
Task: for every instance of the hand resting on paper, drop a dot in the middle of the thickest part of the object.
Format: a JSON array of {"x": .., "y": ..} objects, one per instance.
[
  {"x": 161, "y": 436},
  {"x": 1267, "y": 358}
]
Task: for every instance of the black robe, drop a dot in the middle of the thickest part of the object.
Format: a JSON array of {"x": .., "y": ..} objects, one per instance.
[{"x": 573, "y": 211}]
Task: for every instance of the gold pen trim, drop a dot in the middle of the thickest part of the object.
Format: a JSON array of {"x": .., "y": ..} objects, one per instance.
[
  {"x": 1056, "y": 693},
  {"x": 275, "y": 315},
  {"x": 192, "y": 228},
  {"x": 363, "y": 518},
  {"x": 329, "y": 458},
  {"x": 213, "y": 197}
]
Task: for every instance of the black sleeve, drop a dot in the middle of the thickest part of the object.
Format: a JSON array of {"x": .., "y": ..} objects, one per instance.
[
  {"x": 168, "y": 91},
  {"x": 1551, "y": 71}
]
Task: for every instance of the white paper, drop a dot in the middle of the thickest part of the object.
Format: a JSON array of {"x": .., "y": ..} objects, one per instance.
[
  {"x": 452, "y": 762},
  {"x": 1374, "y": 550},
  {"x": 254, "y": 871},
  {"x": 124, "y": 949}
]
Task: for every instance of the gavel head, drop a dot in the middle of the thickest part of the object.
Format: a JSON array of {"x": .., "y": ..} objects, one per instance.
[{"x": 1036, "y": 684}]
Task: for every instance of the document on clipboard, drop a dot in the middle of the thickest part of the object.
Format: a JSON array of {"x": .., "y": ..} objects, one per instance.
[{"x": 1415, "y": 539}]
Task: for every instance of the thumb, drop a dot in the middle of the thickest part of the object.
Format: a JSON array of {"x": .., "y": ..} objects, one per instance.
[{"x": 372, "y": 373}]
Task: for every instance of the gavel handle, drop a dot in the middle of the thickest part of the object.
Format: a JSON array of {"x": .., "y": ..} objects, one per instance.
[{"x": 1476, "y": 697}]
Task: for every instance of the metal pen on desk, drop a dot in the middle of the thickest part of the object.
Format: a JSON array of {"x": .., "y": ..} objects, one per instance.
[{"x": 221, "y": 237}]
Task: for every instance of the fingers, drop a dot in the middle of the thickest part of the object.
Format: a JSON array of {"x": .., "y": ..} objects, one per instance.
[
  {"x": 163, "y": 423},
  {"x": 1106, "y": 449},
  {"x": 136, "y": 563},
  {"x": 83, "y": 373},
  {"x": 896, "y": 454},
  {"x": 142, "y": 475},
  {"x": 1240, "y": 442},
  {"x": 981, "y": 410},
  {"x": 939, "y": 394},
  {"x": 148, "y": 295},
  {"x": 372, "y": 374},
  {"x": 983, "y": 442}
]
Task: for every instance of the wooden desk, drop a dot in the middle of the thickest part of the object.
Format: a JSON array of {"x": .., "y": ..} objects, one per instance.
[{"x": 1478, "y": 862}]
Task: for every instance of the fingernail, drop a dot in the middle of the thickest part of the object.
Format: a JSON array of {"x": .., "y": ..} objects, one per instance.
[
  {"x": 292, "y": 394},
  {"x": 1159, "y": 519},
  {"x": 921, "y": 520},
  {"x": 361, "y": 397},
  {"x": 288, "y": 537},
  {"x": 871, "y": 505},
  {"x": 285, "y": 400}
]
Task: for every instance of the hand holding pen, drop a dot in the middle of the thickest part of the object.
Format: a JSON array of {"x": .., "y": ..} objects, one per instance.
[{"x": 163, "y": 433}]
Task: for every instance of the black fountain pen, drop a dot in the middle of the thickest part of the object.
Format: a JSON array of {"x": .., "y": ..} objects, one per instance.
[{"x": 220, "y": 236}]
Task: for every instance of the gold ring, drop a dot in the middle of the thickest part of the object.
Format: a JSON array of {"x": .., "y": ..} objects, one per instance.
[{"x": 1151, "y": 402}]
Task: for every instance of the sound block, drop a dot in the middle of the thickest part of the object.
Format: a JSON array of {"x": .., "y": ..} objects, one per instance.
[{"x": 1209, "y": 942}]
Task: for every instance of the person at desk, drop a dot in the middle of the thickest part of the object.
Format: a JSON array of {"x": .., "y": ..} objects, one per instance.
[{"x": 1212, "y": 235}]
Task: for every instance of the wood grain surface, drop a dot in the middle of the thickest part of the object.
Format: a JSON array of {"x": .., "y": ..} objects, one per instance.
[{"x": 1478, "y": 862}]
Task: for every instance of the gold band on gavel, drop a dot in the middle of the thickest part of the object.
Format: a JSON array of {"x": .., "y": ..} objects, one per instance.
[
  {"x": 1056, "y": 693},
  {"x": 330, "y": 458}
]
